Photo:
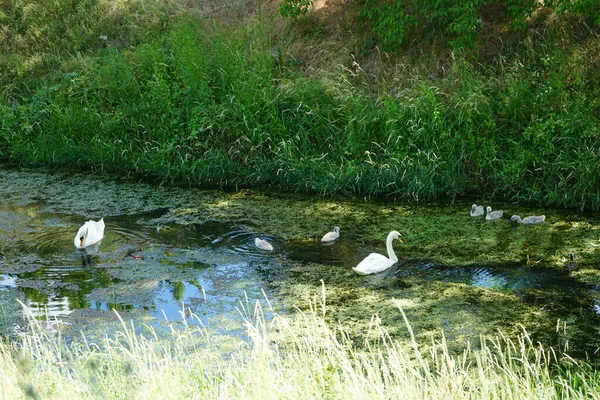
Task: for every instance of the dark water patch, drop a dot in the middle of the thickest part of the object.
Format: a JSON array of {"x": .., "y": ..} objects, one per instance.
[
  {"x": 52, "y": 238},
  {"x": 191, "y": 235},
  {"x": 215, "y": 235},
  {"x": 512, "y": 277},
  {"x": 343, "y": 252}
]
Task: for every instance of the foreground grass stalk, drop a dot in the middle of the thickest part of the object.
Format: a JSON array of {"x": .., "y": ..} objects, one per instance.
[{"x": 284, "y": 358}]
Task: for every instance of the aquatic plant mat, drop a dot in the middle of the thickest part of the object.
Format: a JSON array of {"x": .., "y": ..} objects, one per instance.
[{"x": 285, "y": 357}]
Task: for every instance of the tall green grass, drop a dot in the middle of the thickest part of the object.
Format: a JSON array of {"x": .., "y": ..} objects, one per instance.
[
  {"x": 180, "y": 98},
  {"x": 285, "y": 358}
]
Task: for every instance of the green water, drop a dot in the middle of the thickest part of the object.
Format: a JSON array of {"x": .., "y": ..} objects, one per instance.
[{"x": 171, "y": 251}]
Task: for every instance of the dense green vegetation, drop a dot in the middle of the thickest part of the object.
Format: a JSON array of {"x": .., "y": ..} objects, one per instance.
[
  {"x": 160, "y": 90},
  {"x": 395, "y": 22}
]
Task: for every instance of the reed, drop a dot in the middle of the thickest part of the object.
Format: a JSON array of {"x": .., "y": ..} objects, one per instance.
[{"x": 284, "y": 357}]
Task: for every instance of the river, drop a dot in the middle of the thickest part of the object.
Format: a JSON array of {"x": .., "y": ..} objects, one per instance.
[{"x": 186, "y": 256}]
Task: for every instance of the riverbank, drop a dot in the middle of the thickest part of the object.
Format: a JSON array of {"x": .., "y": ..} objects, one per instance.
[{"x": 176, "y": 95}]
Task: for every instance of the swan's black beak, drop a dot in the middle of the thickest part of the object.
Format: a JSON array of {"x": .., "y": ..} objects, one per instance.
[
  {"x": 400, "y": 239},
  {"x": 81, "y": 241}
]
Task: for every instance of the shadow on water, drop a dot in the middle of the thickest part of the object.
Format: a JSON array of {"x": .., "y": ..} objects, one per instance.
[{"x": 511, "y": 278}]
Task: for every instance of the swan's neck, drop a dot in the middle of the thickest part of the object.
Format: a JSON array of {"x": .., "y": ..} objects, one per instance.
[{"x": 390, "y": 249}]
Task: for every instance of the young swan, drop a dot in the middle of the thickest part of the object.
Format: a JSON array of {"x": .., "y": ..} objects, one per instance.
[
  {"x": 331, "y": 236},
  {"x": 375, "y": 262},
  {"x": 476, "y": 211},
  {"x": 493, "y": 214},
  {"x": 90, "y": 233},
  {"x": 571, "y": 265},
  {"x": 531, "y": 220},
  {"x": 263, "y": 244}
]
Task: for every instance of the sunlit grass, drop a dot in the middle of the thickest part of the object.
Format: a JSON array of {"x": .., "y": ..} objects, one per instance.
[
  {"x": 159, "y": 90},
  {"x": 285, "y": 357}
]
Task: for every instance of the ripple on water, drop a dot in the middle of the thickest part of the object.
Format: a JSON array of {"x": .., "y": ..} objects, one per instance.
[
  {"x": 242, "y": 242},
  {"x": 216, "y": 235}
]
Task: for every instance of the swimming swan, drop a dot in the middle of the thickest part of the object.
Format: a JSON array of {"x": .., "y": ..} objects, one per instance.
[
  {"x": 493, "y": 214},
  {"x": 375, "y": 262},
  {"x": 531, "y": 220},
  {"x": 476, "y": 211},
  {"x": 90, "y": 233},
  {"x": 263, "y": 244},
  {"x": 331, "y": 236},
  {"x": 571, "y": 265}
]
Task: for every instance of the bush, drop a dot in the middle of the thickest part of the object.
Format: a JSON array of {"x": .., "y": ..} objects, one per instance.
[{"x": 395, "y": 23}]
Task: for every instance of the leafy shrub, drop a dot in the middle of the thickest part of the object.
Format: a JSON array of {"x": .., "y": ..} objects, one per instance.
[
  {"x": 397, "y": 22},
  {"x": 294, "y": 8}
]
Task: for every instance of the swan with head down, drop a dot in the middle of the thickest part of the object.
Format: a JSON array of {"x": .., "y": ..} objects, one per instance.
[
  {"x": 476, "y": 211},
  {"x": 375, "y": 262},
  {"x": 531, "y": 220},
  {"x": 263, "y": 244},
  {"x": 90, "y": 233},
  {"x": 331, "y": 236}
]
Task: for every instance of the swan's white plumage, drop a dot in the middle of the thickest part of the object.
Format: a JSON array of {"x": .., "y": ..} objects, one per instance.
[
  {"x": 263, "y": 244},
  {"x": 331, "y": 236},
  {"x": 531, "y": 220},
  {"x": 493, "y": 214},
  {"x": 375, "y": 262},
  {"x": 90, "y": 233},
  {"x": 476, "y": 211}
]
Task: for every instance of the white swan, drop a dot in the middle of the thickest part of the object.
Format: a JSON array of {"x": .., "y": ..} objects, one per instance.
[
  {"x": 493, "y": 214},
  {"x": 476, "y": 211},
  {"x": 531, "y": 220},
  {"x": 90, "y": 233},
  {"x": 331, "y": 236},
  {"x": 263, "y": 244},
  {"x": 375, "y": 262}
]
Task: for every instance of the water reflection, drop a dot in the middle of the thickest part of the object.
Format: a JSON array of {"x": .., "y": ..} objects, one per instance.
[
  {"x": 483, "y": 277},
  {"x": 7, "y": 281},
  {"x": 139, "y": 265},
  {"x": 49, "y": 307},
  {"x": 88, "y": 252}
]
